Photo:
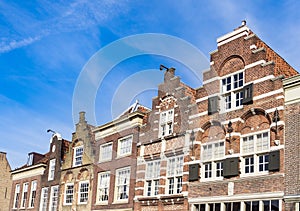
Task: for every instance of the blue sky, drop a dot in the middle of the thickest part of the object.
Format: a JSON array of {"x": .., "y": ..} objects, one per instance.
[{"x": 44, "y": 45}]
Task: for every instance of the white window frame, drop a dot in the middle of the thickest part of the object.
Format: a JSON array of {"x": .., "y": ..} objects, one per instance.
[
  {"x": 17, "y": 196},
  {"x": 103, "y": 187},
  {"x": 44, "y": 199},
  {"x": 174, "y": 175},
  {"x": 53, "y": 203},
  {"x": 122, "y": 185},
  {"x": 242, "y": 204},
  {"x": 67, "y": 193},
  {"x": 33, "y": 193},
  {"x": 24, "y": 194},
  {"x": 78, "y": 156},
  {"x": 103, "y": 152},
  {"x": 152, "y": 178},
  {"x": 256, "y": 149},
  {"x": 83, "y": 196},
  {"x": 51, "y": 172},
  {"x": 166, "y": 123},
  {"x": 128, "y": 146},
  {"x": 212, "y": 156},
  {"x": 231, "y": 92}
]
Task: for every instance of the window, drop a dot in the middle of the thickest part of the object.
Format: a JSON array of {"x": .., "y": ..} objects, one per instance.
[
  {"x": 212, "y": 155},
  {"x": 232, "y": 206},
  {"x": 69, "y": 191},
  {"x": 83, "y": 192},
  {"x": 271, "y": 205},
  {"x": 255, "y": 151},
  {"x": 251, "y": 205},
  {"x": 17, "y": 196},
  {"x": 51, "y": 169},
  {"x": 257, "y": 205},
  {"x": 30, "y": 159},
  {"x": 24, "y": 195},
  {"x": 103, "y": 186},
  {"x": 125, "y": 146},
  {"x": 122, "y": 183},
  {"x": 78, "y": 152},
  {"x": 166, "y": 123},
  {"x": 174, "y": 175},
  {"x": 53, "y": 198},
  {"x": 213, "y": 103},
  {"x": 232, "y": 90},
  {"x": 152, "y": 178},
  {"x": 33, "y": 193},
  {"x": 105, "y": 152},
  {"x": 44, "y": 199}
]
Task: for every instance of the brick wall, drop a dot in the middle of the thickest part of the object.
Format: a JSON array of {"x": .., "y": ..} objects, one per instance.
[{"x": 5, "y": 182}]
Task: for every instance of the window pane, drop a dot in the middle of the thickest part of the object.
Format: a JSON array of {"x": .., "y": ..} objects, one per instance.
[
  {"x": 263, "y": 162},
  {"x": 123, "y": 180},
  {"x": 248, "y": 144},
  {"x": 249, "y": 164},
  {"x": 275, "y": 205},
  {"x": 219, "y": 169}
]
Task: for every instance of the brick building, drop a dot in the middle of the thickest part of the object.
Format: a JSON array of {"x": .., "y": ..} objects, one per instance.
[
  {"x": 5, "y": 182},
  {"x": 34, "y": 185},
  {"x": 49, "y": 191},
  {"x": 238, "y": 120},
  {"x": 76, "y": 181},
  {"x": 26, "y": 183},
  {"x": 292, "y": 145},
  {"x": 115, "y": 160},
  {"x": 163, "y": 149}
]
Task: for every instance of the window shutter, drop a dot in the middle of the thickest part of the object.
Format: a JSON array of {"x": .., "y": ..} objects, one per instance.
[
  {"x": 231, "y": 167},
  {"x": 193, "y": 172},
  {"x": 212, "y": 105},
  {"x": 274, "y": 161},
  {"x": 248, "y": 94}
]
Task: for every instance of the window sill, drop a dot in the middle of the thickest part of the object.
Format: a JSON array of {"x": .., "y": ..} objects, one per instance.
[
  {"x": 230, "y": 110},
  {"x": 255, "y": 174},
  {"x": 102, "y": 203},
  {"x": 122, "y": 156},
  {"x": 213, "y": 179},
  {"x": 67, "y": 204},
  {"x": 103, "y": 161},
  {"x": 125, "y": 201}
]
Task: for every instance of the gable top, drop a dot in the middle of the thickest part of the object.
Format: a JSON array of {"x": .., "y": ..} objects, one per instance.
[
  {"x": 241, "y": 31},
  {"x": 133, "y": 108}
]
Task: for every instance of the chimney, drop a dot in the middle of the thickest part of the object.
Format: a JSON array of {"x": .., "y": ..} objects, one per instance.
[{"x": 82, "y": 117}]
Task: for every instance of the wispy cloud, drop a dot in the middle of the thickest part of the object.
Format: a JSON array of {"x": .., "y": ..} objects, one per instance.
[
  {"x": 75, "y": 16},
  {"x": 13, "y": 44}
]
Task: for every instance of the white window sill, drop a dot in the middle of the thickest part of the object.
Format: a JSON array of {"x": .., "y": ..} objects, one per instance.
[
  {"x": 212, "y": 179},
  {"x": 232, "y": 109},
  {"x": 106, "y": 160},
  {"x": 263, "y": 173},
  {"x": 125, "y": 201},
  {"x": 69, "y": 204},
  {"x": 122, "y": 156},
  {"x": 82, "y": 203},
  {"x": 101, "y": 203}
]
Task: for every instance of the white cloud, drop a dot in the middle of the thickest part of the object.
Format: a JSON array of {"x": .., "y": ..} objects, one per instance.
[{"x": 13, "y": 44}]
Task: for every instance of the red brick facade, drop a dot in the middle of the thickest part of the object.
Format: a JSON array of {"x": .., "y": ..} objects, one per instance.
[
  {"x": 114, "y": 158},
  {"x": 232, "y": 144},
  {"x": 292, "y": 146}
]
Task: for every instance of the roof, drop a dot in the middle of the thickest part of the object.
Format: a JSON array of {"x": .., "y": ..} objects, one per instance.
[{"x": 133, "y": 108}]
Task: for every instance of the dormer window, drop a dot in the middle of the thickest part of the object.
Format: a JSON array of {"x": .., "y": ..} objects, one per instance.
[
  {"x": 30, "y": 159},
  {"x": 166, "y": 123},
  {"x": 78, "y": 153}
]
